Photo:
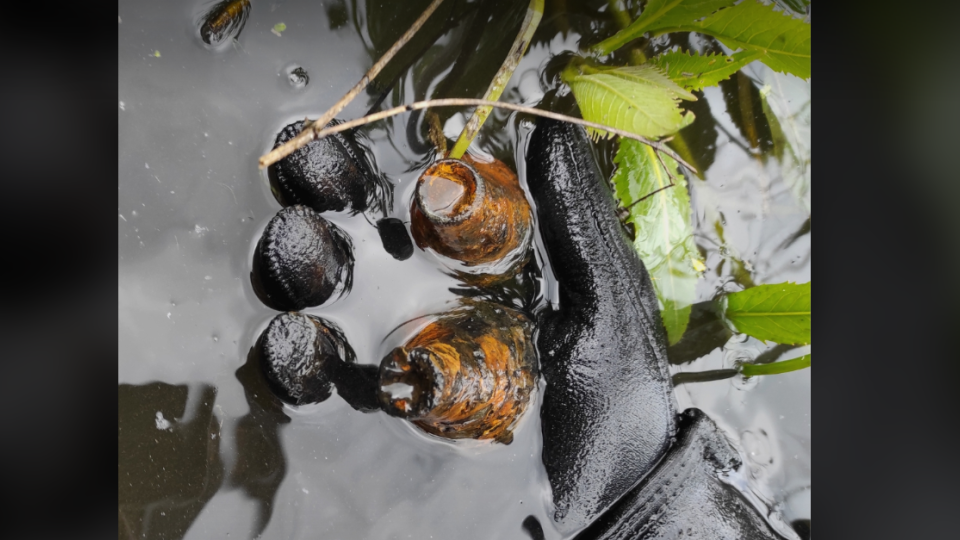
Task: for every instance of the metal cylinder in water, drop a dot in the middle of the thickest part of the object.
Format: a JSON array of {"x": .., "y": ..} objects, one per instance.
[
  {"x": 472, "y": 211},
  {"x": 468, "y": 373}
]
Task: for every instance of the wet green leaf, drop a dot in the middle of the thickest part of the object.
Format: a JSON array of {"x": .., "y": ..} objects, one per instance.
[
  {"x": 694, "y": 72},
  {"x": 279, "y": 28},
  {"x": 778, "y": 313},
  {"x": 784, "y": 366},
  {"x": 638, "y": 99},
  {"x": 783, "y": 41},
  {"x": 664, "y": 233},
  {"x": 661, "y": 14}
]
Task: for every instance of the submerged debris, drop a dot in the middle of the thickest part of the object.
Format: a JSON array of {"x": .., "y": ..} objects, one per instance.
[
  {"x": 302, "y": 260},
  {"x": 467, "y": 374},
  {"x": 331, "y": 174},
  {"x": 224, "y": 22},
  {"x": 472, "y": 212},
  {"x": 298, "y": 352}
]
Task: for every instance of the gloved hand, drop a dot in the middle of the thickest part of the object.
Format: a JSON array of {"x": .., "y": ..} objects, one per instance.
[{"x": 615, "y": 454}]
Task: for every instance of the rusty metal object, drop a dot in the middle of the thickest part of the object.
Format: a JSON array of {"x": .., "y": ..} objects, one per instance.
[
  {"x": 467, "y": 374},
  {"x": 224, "y": 21},
  {"x": 473, "y": 212}
]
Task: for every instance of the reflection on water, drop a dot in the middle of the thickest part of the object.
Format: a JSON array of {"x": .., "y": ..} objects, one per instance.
[
  {"x": 260, "y": 466},
  {"x": 170, "y": 464},
  {"x": 228, "y": 457}
]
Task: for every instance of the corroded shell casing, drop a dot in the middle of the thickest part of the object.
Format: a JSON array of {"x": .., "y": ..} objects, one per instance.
[
  {"x": 224, "y": 21},
  {"x": 473, "y": 212},
  {"x": 302, "y": 260},
  {"x": 330, "y": 174},
  {"x": 298, "y": 354},
  {"x": 468, "y": 374}
]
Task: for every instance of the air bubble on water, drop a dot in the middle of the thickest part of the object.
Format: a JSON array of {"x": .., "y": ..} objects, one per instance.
[
  {"x": 745, "y": 383},
  {"x": 216, "y": 339},
  {"x": 123, "y": 106},
  {"x": 146, "y": 165},
  {"x": 133, "y": 213}
]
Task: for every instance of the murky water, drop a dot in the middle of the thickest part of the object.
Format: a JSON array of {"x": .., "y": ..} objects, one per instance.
[{"x": 205, "y": 453}]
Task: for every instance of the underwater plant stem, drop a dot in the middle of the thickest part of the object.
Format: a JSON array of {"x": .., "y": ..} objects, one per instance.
[
  {"x": 278, "y": 154},
  {"x": 752, "y": 370},
  {"x": 500, "y": 80},
  {"x": 309, "y": 132}
]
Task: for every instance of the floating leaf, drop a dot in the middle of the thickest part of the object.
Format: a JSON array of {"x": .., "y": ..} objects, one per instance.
[
  {"x": 664, "y": 234},
  {"x": 156, "y": 54},
  {"x": 778, "y": 313},
  {"x": 661, "y": 14},
  {"x": 278, "y": 28},
  {"x": 784, "y": 42},
  {"x": 638, "y": 99},
  {"x": 774, "y": 368},
  {"x": 695, "y": 72}
]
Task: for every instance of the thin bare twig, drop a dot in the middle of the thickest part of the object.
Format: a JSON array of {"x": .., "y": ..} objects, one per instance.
[
  {"x": 309, "y": 132},
  {"x": 275, "y": 156},
  {"x": 648, "y": 195}
]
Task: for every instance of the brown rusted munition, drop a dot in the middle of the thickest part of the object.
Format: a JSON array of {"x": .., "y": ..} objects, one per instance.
[
  {"x": 467, "y": 374},
  {"x": 471, "y": 211},
  {"x": 224, "y": 21}
]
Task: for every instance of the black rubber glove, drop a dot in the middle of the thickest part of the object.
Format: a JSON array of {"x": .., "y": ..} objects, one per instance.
[{"x": 609, "y": 415}]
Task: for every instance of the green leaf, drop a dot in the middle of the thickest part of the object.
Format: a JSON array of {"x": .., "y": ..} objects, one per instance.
[
  {"x": 778, "y": 313},
  {"x": 638, "y": 99},
  {"x": 279, "y": 28},
  {"x": 783, "y": 42},
  {"x": 661, "y": 14},
  {"x": 774, "y": 368},
  {"x": 664, "y": 233},
  {"x": 694, "y": 72}
]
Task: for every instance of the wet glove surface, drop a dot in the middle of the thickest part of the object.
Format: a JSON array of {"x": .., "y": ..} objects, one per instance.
[
  {"x": 608, "y": 411},
  {"x": 684, "y": 496}
]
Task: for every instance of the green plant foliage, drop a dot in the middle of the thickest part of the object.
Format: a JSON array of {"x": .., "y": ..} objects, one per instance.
[
  {"x": 639, "y": 99},
  {"x": 695, "y": 72},
  {"x": 774, "y": 368},
  {"x": 782, "y": 41},
  {"x": 661, "y": 14},
  {"x": 664, "y": 233},
  {"x": 778, "y": 313}
]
